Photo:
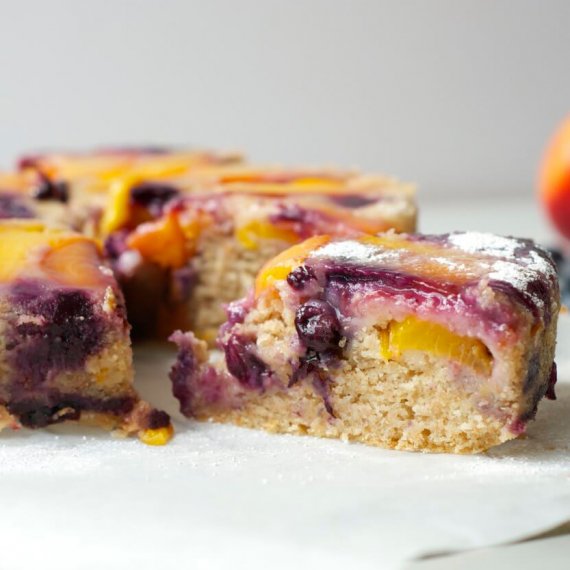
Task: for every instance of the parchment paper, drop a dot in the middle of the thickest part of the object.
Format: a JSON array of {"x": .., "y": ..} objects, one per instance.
[{"x": 225, "y": 497}]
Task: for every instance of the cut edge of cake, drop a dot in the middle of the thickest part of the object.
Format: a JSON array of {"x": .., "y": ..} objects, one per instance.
[
  {"x": 65, "y": 350},
  {"x": 432, "y": 343}
]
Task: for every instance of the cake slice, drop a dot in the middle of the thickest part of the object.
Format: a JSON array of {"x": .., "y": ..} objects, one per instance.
[
  {"x": 65, "y": 351},
  {"x": 432, "y": 343},
  {"x": 182, "y": 250}
]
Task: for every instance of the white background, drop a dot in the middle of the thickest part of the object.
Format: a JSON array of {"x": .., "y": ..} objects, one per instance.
[{"x": 458, "y": 96}]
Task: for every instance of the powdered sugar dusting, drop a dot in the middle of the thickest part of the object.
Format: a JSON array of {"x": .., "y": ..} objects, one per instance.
[
  {"x": 519, "y": 262},
  {"x": 485, "y": 243},
  {"x": 478, "y": 256},
  {"x": 521, "y": 253},
  {"x": 356, "y": 252},
  {"x": 517, "y": 275},
  {"x": 507, "y": 259}
]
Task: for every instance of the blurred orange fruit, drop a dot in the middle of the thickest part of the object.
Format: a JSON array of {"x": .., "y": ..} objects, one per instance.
[{"x": 554, "y": 179}]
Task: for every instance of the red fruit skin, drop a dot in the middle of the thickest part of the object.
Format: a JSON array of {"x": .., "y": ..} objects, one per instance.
[{"x": 554, "y": 179}]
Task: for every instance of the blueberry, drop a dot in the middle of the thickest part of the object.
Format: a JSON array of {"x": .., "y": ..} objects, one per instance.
[
  {"x": 318, "y": 326},
  {"x": 52, "y": 190},
  {"x": 153, "y": 196},
  {"x": 65, "y": 332},
  {"x": 300, "y": 276},
  {"x": 242, "y": 362}
]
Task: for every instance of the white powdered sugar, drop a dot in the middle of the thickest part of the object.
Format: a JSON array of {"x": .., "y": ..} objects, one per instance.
[
  {"x": 518, "y": 262},
  {"x": 485, "y": 243},
  {"x": 356, "y": 252},
  {"x": 490, "y": 257}
]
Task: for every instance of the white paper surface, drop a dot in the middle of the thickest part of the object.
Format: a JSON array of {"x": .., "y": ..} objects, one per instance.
[{"x": 225, "y": 497}]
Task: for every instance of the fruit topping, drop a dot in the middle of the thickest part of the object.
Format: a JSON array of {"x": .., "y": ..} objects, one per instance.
[
  {"x": 153, "y": 196},
  {"x": 300, "y": 277},
  {"x": 22, "y": 242},
  {"x": 318, "y": 326},
  {"x": 60, "y": 330},
  {"x": 158, "y": 436},
  {"x": 48, "y": 189},
  {"x": 74, "y": 262},
  {"x": 162, "y": 242},
  {"x": 243, "y": 363},
  {"x": 278, "y": 268},
  {"x": 415, "y": 334},
  {"x": 116, "y": 213}
]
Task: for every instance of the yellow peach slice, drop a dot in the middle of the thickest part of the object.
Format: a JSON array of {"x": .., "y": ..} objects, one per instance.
[
  {"x": 16, "y": 250},
  {"x": 415, "y": 334},
  {"x": 31, "y": 245},
  {"x": 316, "y": 183},
  {"x": 277, "y": 181},
  {"x": 279, "y": 267},
  {"x": 162, "y": 242},
  {"x": 158, "y": 436},
  {"x": 117, "y": 212},
  {"x": 250, "y": 234},
  {"x": 107, "y": 167},
  {"x": 156, "y": 168},
  {"x": 74, "y": 262},
  {"x": 300, "y": 186},
  {"x": 19, "y": 241}
]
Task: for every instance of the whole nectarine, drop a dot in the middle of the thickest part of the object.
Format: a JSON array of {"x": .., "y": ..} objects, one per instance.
[{"x": 554, "y": 179}]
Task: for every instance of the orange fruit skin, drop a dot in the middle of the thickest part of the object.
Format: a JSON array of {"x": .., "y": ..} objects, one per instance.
[{"x": 554, "y": 179}]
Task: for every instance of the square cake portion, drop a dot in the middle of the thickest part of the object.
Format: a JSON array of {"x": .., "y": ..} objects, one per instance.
[
  {"x": 65, "y": 351},
  {"x": 432, "y": 343},
  {"x": 182, "y": 248}
]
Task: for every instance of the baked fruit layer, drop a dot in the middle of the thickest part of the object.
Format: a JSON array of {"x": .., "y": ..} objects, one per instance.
[
  {"x": 85, "y": 180},
  {"x": 196, "y": 242},
  {"x": 65, "y": 351},
  {"x": 24, "y": 195},
  {"x": 432, "y": 343}
]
